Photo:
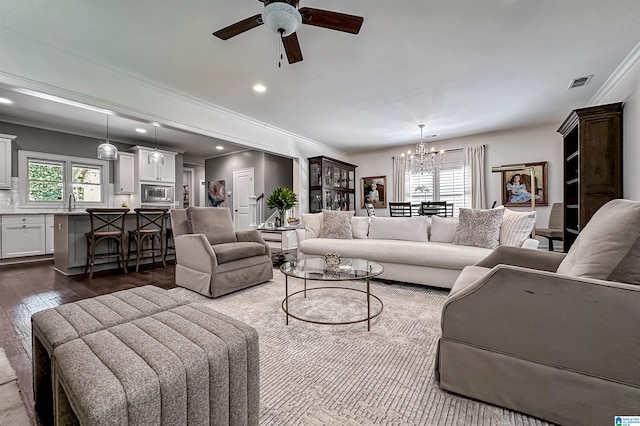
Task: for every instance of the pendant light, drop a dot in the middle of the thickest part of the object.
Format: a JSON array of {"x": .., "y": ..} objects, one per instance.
[
  {"x": 106, "y": 150},
  {"x": 156, "y": 158}
]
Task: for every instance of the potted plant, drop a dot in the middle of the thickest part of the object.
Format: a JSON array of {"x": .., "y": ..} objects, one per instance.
[{"x": 282, "y": 199}]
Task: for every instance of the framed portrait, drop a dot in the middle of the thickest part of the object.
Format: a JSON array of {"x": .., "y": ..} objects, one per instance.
[
  {"x": 216, "y": 193},
  {"x": 517, "y": 189},
  {"x": 373, "y": 190}
]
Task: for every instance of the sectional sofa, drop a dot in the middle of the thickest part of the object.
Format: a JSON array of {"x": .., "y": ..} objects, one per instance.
[{"x": 417, "y": 249}]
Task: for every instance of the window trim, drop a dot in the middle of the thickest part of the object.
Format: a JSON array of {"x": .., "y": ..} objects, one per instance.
[
  {"x": 68, "y": 163},
  {"x": 435, "y": 181}
]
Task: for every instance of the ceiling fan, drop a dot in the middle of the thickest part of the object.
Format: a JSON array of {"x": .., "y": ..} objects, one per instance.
[{"x": 284, "y": 17}]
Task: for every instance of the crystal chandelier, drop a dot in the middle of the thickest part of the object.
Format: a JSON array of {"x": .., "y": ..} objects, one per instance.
[{"x": 424, "y": 159}]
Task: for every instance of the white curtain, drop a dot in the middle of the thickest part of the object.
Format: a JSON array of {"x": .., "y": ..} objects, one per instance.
[
  {"x": 474, "y": 176},
  {"x": 399, "y": 172}
]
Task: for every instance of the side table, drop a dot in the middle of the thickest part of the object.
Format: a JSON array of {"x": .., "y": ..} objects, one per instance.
[{"x": 282, "y": 241}]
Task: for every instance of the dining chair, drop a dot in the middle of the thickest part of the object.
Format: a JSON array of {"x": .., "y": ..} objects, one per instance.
[{"x": 400, "y": 209}]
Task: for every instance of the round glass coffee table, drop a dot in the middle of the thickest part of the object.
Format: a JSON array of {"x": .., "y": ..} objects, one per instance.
[{"x": 315, "y": 269}]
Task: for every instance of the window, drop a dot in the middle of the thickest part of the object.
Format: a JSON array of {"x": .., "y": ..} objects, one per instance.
[
  {"x": 86, "y": 183},
  {"x": 50, "y": 179},
  {"x": 446, "y": 184},
  {"x": 46, "y": 181}
]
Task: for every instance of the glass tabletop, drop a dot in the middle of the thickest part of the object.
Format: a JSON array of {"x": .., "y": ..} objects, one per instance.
[{"x": 316, "y": 269}]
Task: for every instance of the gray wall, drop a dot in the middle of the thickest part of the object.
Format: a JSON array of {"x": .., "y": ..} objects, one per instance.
[
  {"x": 50, "y": 142},
  {"x": 278, "y": 172},
  {"x": 269, "y": 171}
]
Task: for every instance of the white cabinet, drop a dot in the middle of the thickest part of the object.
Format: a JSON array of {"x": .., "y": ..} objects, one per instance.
[
  {"x": 153, "y": 173},
  {"x": 23, "y": 235},
  {"x": 5, "y": 160},
  {"x": 48, "y": 237},
  {"x": 125, "y": 174}
]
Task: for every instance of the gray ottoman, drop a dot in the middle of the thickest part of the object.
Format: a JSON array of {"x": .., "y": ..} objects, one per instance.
[
  {"x": 187, "y": 365},
  {"x": 53, "y": 327}
]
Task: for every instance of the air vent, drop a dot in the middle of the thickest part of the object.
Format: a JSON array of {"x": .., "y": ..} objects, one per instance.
[{"x": 580, "y": 81}]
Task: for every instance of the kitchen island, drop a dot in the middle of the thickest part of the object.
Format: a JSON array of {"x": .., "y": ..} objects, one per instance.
[{"x": 70, "y": 243}]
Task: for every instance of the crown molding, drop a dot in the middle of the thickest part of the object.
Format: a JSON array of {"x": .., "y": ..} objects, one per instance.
[
  {"x": 45, "y": 49},
  {"x": 618, "y": 75}
]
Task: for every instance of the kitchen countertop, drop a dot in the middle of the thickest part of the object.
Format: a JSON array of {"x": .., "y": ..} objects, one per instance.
[{"x": 24, "y": 212}]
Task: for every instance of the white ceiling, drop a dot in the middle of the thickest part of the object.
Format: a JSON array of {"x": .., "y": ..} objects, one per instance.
[{"x": 461, "y": 66}]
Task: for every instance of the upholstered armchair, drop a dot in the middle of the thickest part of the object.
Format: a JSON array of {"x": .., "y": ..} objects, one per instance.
[
  {"x": 552, "y": 335},
  {"x": 213, "y": 259}
]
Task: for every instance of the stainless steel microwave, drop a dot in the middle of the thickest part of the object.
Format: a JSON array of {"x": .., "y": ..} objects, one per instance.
[{"x": 152, "y": 193}]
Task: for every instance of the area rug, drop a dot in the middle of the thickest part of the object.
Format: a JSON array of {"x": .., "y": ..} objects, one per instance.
[
  {"x": 12, "y": 410},
  {"x": 344, "y": 375}
]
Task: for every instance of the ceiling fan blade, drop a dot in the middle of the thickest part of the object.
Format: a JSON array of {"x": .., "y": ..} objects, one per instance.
[
  {"x": 239, "y": 27},
  {"x": 292, "y": 47},
  {"x": 332, "y": 20}
]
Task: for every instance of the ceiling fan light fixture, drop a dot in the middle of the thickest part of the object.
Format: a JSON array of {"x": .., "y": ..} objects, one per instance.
[
  {"x": 107, "y": 151},
  {"x": 281, "y": 18}
]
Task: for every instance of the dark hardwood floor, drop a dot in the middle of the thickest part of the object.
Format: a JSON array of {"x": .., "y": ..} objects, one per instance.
[{"x": 30, "y": 287}]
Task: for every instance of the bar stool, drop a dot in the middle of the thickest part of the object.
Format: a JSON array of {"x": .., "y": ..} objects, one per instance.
[
  {"x": 168, "y": 243},
  {"x": 149, "y": 225},
  {"x": 106, "y": 225}
]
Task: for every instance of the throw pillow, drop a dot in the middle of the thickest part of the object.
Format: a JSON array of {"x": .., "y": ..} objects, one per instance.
[
  {"x": 479, "y": 228},
  {"x": 399, "y": 228},
  {"x": 312, "y": 224},
  {"x": 360, "y": 227},
  {"x": 214, "y": 222},
  {"x": 608, "y": 248},
  {"x": 336, "y": 225},
  {"x": 443, "y": 229},
  {"x": 516, "y": 227}
]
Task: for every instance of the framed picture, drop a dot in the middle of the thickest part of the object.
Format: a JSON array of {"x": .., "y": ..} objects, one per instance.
[
  {"x": 516, "y": 185},
  {"x": 215, "y": 193},
  {"x": 374, "y": 190}
]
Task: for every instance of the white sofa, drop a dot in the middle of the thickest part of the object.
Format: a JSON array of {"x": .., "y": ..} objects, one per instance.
[{"x": 393, "y": 243}]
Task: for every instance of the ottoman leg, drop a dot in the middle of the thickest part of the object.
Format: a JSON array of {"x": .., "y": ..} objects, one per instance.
[{"x": 42, "y": 384}]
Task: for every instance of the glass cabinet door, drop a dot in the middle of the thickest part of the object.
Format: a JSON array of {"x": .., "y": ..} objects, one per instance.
[{"x": 315, "y": 174}]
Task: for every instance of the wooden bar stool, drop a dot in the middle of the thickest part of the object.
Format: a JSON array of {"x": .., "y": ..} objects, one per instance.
[
  {"x": 168, "y": 243},
  {"x": 106, "y": 225},
  {"x": 149, "y": 226}
]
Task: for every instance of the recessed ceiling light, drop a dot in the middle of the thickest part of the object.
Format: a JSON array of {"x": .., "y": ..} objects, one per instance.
[
  {"x": 139, "y": 130},
  {"x": 219, "y": 147},
  {"x": 259, "y": 88},
  {"x": 5, "y": 101}
]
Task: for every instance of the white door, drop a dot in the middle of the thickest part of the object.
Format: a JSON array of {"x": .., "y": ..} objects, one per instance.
[{"x": 242, "y": 189}]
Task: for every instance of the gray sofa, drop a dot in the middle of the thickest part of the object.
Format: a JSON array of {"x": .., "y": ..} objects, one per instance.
[
  {"x": 552, "y": 335},
  {"x": 213, "y": 259}
]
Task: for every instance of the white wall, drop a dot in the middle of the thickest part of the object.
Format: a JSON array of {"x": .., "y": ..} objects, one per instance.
[
  {"x": 513, "y": 147},
  {"x": 624, "y": 86}
]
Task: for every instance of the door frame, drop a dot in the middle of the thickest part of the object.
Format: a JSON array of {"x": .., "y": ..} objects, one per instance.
[
  {"x": 191, "y": 184},
  {"x": 234, "y": 192}
]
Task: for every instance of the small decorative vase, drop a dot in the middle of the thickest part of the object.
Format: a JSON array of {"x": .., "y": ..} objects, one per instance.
[
  {"x": 332, "y": 260},
  {"x": 278, "y": 222}
]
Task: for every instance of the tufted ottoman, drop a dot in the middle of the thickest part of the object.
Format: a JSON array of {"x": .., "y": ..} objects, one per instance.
[
  {"x": 187, "y": 365},
  {"x": 53, "y": 327}
]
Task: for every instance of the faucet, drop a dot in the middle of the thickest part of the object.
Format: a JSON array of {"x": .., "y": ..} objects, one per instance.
[{"x": 72, "y": 200}]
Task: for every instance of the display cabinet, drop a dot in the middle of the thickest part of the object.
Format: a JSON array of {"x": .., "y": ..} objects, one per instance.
[
  {"x": 332, "y": 184},
  {"x": 592, "y": 140}
]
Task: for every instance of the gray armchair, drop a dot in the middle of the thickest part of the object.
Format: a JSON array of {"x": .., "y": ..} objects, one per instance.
[
  {"x": 211, "y": 258},
  {"x": 552, "y": 335}
]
